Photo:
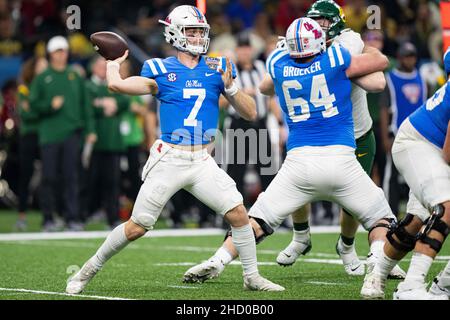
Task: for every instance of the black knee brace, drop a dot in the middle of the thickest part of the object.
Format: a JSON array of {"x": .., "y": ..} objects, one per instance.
[
  {"x": 267, "y": 231},
  {"x": 388, "y": 224},
  {"x": 434, "y": 222},
  {"x": 406, "y": 242}
]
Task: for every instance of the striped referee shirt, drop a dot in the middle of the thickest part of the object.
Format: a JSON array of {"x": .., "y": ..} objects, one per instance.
[{"x": 250, "y": 79}]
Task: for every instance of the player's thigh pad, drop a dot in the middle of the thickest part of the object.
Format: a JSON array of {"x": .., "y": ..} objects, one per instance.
[
  {"x": 421, "y": 164},
  {"x": 160, "y": 184},
  {"x": 285, "y": 194},
  {"x": 214, "y": 187},
  {"x": 358, "y": 194}
]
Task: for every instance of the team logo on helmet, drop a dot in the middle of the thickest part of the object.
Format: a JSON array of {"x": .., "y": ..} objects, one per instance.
[{"x": 198, "y": 15}]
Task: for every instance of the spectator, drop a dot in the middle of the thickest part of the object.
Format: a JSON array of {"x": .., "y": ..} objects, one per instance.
[
  {"x": 58, "y": 96},
  {"x": 28, "y": 141},
  {"x": 104, "y": 170},
  {"x": 404, "y": 93}
]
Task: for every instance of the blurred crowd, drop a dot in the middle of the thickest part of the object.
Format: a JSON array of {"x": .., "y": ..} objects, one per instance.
[{"x": 84, "y": 165}]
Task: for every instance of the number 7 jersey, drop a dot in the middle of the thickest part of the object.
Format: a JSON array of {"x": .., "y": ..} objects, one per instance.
[
  {"x": 315, "y": 97},
  {"x": 189, "y": 98}
]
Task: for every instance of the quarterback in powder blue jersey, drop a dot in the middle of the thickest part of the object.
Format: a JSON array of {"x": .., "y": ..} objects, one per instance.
[
  {"x": 188, "y": 86},
  {"x": 189, "y": 97},
  {"x": 313, "y": 86},
  {"x": 421, "y": 153}
]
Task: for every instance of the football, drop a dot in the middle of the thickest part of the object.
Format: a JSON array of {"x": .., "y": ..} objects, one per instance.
[{"x": 109, "y": 44}]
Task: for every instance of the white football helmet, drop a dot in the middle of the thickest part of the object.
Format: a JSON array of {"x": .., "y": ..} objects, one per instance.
[
  {"x": 182, "y": 18},
  {"x": 305, "y": 38}
]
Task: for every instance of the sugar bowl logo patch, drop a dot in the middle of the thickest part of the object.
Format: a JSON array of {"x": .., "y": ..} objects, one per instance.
[
  {"x": 172, "y": 77},
  {"x": 212, "y": 63}
]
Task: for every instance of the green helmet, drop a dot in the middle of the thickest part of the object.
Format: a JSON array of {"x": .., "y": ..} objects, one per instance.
[{"x": 331, "y": 11}]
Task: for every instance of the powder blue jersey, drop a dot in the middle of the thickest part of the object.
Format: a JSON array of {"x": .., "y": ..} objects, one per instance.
[
  {"x": 189, "y": 98},
  {"x": 431, "y": 119},
  {"x": 315, "y": 97}
]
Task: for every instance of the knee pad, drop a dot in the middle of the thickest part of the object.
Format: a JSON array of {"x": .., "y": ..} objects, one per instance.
[
  {"x": 434, "y": 222},
  {"x": 146, "y": 221},
  {"x": 267, "y": 231},
  {"x": 388, "y": 223},
  {"x": 406, "y": 242}
]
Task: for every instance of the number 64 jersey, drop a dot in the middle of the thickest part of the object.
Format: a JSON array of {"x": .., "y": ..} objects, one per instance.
[
  {"x": 189, "y": 98},
  {"x": 315, "y": 97}
]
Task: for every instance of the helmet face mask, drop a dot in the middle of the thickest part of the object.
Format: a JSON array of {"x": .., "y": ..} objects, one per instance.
[{"x": 187, "y": 30}]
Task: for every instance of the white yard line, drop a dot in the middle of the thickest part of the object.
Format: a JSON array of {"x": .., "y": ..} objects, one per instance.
[
  {"x": 152, "y": 233},
  {"x": 61, "y": 294},
  {"x": 182, "y": 287}
]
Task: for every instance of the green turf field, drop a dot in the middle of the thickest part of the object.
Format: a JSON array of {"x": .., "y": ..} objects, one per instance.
[{"x": 152, "y": 268}]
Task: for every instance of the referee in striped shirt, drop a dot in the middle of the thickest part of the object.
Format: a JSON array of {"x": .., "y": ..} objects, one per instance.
[{"x": 250, "y": 73}]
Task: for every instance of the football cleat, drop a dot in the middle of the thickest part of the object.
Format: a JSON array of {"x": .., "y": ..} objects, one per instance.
[
  {"x": 78, "y": 282},
  {"x": 373, "y": 286},
  {"x": 439, "y": 286},
  {"x": 256, "y": 282},
  {"x": 352, "y": 265},
  {"x": 397, "y": 273},
  {"x": 204, "y": 271},
  {"x": 290, "y": 254},
  {"x": 415, "y": 291}
]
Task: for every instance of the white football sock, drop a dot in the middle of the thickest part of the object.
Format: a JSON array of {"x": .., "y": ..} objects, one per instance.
[
  {"x": 377, "y": 247},
  {"x": 116, "y": 241},
  {"x": 223, "y": 255},
  {"x": 419, "y": 267},
  {"x": 344, "y": 247},
  {"x": 384, "y": 265},
  {"x": 302, "y": 236},
  {"x": 244, "y": 241}
]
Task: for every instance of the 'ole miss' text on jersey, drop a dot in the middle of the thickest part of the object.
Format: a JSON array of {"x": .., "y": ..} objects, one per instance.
[
  {"x": 315, "y": 97},
  {"x": 189, "y": 98}
]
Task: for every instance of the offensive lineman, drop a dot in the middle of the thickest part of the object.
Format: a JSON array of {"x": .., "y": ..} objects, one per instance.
[
  {"x": 188, "y": 87},
  {"x": 421, "y": 153},
  {"x": 313, "y": 86},
  {"x": 330, "y": 17}
]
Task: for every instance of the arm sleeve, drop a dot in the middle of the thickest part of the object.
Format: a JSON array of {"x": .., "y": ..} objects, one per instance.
[
  {"x": 149, "y": 69},
  {"x": 272, "y": 59},
  {"x": 342, "y": 56}
]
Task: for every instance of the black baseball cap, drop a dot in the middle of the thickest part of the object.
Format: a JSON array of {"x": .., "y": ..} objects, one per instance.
[
  {"x": 407, "y": 49},
  {"x": 243, "y": 40}
]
